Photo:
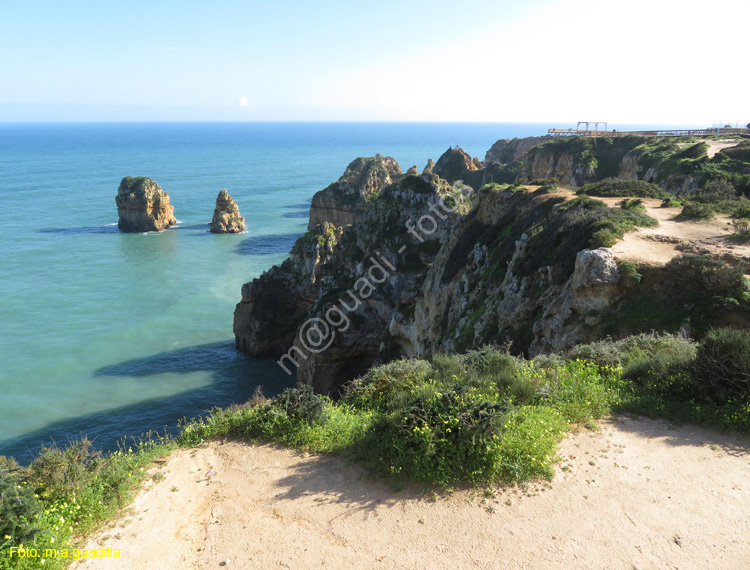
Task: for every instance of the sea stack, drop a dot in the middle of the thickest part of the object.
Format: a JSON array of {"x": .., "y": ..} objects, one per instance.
[
  {"x": 227, "y": 218},
  {"x": 143, "y": 206}
]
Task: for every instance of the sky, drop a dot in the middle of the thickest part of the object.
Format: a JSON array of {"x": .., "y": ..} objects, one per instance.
[{"x": 556, "y": 61}]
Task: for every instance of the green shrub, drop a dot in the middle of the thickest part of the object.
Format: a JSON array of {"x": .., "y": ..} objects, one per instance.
[
  {"x": 663, "y": 373},
  {"x": 529, "y": 443},
  {"x": 613, "y": 353},
  {"x": 624, "y": 188},
  {"x": 632, "y": 204},
  {"x": 381, "y": 383},
  {"x": 19, "y": 507},
  {"x": 714, "y": 191},
  {"x": 62, "y": 471},
  {"x": 489, "y": 361},
  {"x": 442, "y": 438},
  {"x": 579, "y": 390},
  {"x": 696, "y": 211},
  {"x": 708, "y": 283},
  {"x": 722, "y": 367},
  {"x": 671, "y": 202},
  {"x": 604, "y": 238},
  {"x": 301, "y": 403},
  {"x": 697, "y": 150},
  {"x": 629, "y": 271}
]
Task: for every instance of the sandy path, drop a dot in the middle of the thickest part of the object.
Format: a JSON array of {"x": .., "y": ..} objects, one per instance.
[
  {"x": 637, "y": 494},
  {"x": 673, "y": 237},
  {"x": 714, "y": 146}
]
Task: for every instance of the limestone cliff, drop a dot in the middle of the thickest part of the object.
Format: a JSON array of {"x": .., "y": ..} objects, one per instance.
[
  {"x": 499, "y": 278},
  {"x": 227, "y": 218},
  {"x": 143, "y": 206},
  {"x": 372, "y": 268},
  {"x": 506, "y": 151},
  {"x": 456, "y": 164},
  {"x": 431, "y": 264},
  {"x": 343, "y": 202}
]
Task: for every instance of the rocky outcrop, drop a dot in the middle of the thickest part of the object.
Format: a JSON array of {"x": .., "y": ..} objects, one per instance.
[
  {"x": 414, "y": 277},
  {"x": 455, "y": 163},
  {"x": 493, "y": 282},
  {"x": 343, "y": 202},
  {"x": 275, "y": 304},
  {"x": 568, "y": 168},
  {"x": 143, "y": 206},
  {"x": 347, "y": 283},
  {"x": 431, "y": 265},
  {"x": 592, "y": 289},
  {"x": 506, "y": 151},
  {"x": 227, "y": 218}
]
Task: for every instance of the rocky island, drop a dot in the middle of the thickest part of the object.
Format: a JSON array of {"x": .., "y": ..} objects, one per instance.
[
  {"x": 143, "y": 206},
  {"x": 227, "y": 218}
]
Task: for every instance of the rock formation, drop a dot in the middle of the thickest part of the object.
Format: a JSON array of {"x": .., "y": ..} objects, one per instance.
[
  {"x": 143, "y": 206},
  {"x": 227, "y": 218},
  {"x": 327, "y": 267},
  {"x": 344, "y": 201},
  {"x": 506, "y": 151},
  {"x": 454, "y": 164},
  {"x": 449, "y": 268}
]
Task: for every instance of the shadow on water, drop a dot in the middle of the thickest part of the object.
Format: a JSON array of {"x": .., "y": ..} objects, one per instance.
[
  {"x": 298, "y": 206},
  {"x": 234, "y": 380},
  {"x": 205, "y": 227},
  {"x": 267, "y": 245},
  {"x": 82, "y": 230},
  {"x": 300, "y": 214}
]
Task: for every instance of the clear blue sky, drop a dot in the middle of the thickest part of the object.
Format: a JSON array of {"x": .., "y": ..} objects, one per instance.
[{"x": 638, "y": 61}]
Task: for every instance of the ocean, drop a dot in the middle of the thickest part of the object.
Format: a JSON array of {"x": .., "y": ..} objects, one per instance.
[{"x": 107, "y": 334}]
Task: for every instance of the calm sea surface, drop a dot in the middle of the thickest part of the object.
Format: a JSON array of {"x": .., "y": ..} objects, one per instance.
[{"x": 108, "y": 334}]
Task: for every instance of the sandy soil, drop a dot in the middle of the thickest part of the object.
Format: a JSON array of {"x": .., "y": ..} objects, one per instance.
[
  {"x": 636, "y": 494},
  {"x": 673, "y": 237},
  {"x": 714, "y": 146}
]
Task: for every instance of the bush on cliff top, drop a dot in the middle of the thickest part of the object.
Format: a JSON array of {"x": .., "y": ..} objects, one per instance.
[{"x": 624, "y": 188}]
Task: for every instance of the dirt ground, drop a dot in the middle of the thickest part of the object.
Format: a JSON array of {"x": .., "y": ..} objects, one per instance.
[
  {"x": 673, "y": 237},
  {"x": 715, "y": 146},
  {"x": 635, "y": 494}
]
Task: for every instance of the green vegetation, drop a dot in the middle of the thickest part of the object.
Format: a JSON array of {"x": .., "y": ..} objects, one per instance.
[
  {"x": 671, "y": 202},
  {"x": 632, "y": 204},
  {"x": 697, "y": 211},
  {"x": 622, "y": 188},
  {"x": 690, "y": 292},
  {"x": 66, "y": 493},
  {"x": 483, "y": 417}
]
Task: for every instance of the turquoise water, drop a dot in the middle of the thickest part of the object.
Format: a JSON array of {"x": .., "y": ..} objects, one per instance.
[{"x": 105, "y": 333}]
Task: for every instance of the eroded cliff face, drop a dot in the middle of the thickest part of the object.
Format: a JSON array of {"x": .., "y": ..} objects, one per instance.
[
  {"x": 412, "y": 277},
  {"x": 486, "y": 286},
  {"x": 341, "y": 286},
  {"x": 429, "y": 267},
  {"x": 506, "y": 151},
  {"x": 142, "y": 206},
  {"x": 343, "y": 202},
  {"x": 568, "y": 169},
  {"x": 275, "y": 304},
  {"x": 227, "y": 218}
]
